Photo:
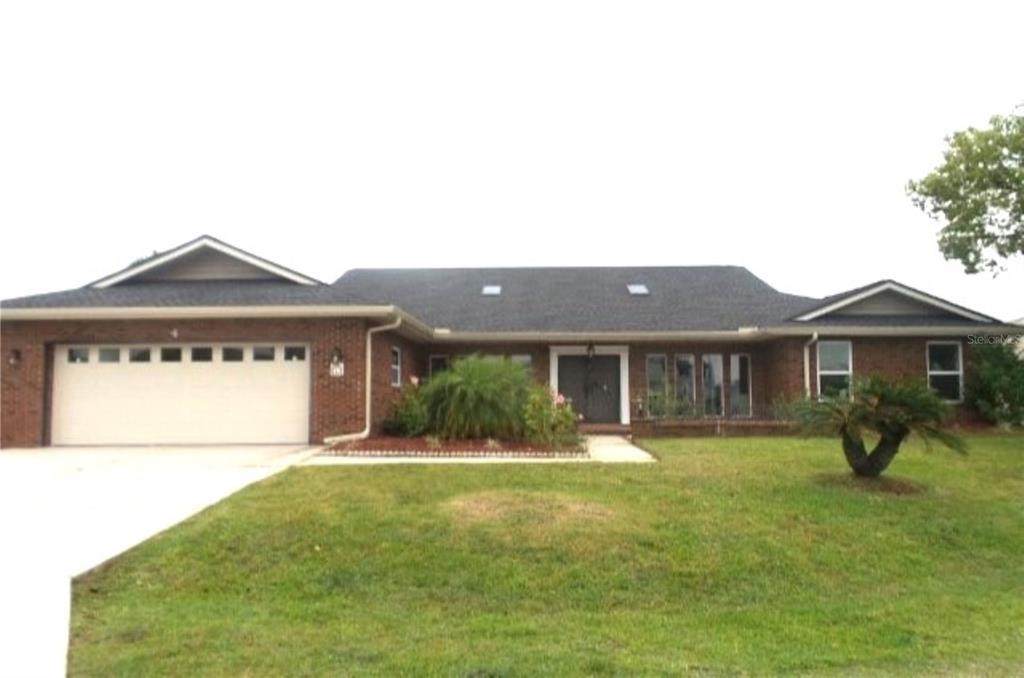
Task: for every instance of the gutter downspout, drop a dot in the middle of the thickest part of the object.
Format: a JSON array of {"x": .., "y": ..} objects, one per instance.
[
  {"x": 807, "y": 364},
  {"x": 365, "y": 433}
]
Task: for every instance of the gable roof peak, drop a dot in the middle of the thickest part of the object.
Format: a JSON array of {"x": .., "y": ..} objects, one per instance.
[{"x": 241, "y": 260}]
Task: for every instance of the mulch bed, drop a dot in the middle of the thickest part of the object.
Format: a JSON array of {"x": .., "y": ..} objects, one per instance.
[{"x": 386, "y": 446}]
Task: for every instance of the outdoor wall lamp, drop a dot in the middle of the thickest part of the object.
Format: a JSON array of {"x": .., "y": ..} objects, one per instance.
[
  {"x": 591, "y": 350},
  {"x": 337, "y": 364},
  {"x": 14, "y": 357}
]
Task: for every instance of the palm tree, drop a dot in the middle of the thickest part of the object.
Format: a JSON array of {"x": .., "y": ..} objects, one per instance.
[{"x": 893, "y": 409}]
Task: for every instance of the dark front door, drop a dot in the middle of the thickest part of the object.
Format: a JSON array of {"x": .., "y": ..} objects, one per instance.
[{"x": 593, "y": 386}]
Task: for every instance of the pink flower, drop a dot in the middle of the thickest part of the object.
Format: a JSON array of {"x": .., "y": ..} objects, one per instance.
[
  {"x": 414, "y": 380},
  {"x": 560, "y": 399}
]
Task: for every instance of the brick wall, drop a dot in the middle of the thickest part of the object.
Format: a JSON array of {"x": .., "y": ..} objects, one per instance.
[{"x": 336, "y": 403}]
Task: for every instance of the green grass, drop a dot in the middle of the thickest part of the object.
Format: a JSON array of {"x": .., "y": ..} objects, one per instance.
[{"x": 745, "y": 556}]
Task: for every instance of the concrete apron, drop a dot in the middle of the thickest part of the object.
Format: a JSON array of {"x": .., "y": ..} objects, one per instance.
[{"x": 65, "y": 511}]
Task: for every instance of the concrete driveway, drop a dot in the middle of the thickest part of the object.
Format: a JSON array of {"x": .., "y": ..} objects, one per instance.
[{"x": 65, "y": 510}]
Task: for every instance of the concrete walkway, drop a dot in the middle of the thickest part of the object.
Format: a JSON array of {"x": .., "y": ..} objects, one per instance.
[
  {"x": 66, "y": 510},
  {"x": 601, "y": 449}
]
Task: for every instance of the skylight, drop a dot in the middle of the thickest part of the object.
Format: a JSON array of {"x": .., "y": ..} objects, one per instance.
[
  {"x": 638, "y": 290},
  {"x": 491, "y": 290}
]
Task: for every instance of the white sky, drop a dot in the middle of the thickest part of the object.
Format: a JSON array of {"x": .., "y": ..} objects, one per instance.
[{"x": 328, "y": 136}]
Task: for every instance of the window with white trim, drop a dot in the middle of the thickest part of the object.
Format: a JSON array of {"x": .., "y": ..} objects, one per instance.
[
  {"x": 711, "y": 382},
  {"x": 396, "y": 366},
  {"x": 686, "y": 379},
  {"x": 740, "y": 404},
  {"x": 946, "y": 370},
  {"x": 835, "y": 368},
  {"x": 657, "y": 375}
]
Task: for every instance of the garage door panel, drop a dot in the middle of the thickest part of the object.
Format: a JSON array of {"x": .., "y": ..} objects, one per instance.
[{"x": 180, "y": 402}]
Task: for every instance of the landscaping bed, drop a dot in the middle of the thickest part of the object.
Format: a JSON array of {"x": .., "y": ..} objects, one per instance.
[{"x": 426, "y": 446}]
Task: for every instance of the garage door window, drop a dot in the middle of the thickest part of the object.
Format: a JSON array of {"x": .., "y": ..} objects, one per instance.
[
  {"x": 170, "y": 355},
  {"x": 78, "y": 355},
  {"x": 297, "y": 353},
  {"x": 232, "y": 354},
  {"x": 263, "y": 353},
  {"x": 110, "y": 355},
  {"x": 202, "y": 354},
  {"x": 138, "y": 355}
]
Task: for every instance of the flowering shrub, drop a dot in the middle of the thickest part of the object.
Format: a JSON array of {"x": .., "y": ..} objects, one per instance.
[
  {"x": 549, "y": 419},
  {"x": 409, "y": 416}
]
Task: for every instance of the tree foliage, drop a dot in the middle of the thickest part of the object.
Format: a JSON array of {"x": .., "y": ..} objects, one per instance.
[
  {"x": 996, "y": 389},
  {"x": 891, "y": 409},
  {"x": 978, "y": 194}
]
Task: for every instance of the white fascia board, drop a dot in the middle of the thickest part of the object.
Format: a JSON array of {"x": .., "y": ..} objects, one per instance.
[
  {"x": 224, "y": 248},
  {"x": 746, "y": 334},
  {"x": 899, "y": 289},
  {"x": 908, "y": 331},
  {"x": 187, "y": 312}
]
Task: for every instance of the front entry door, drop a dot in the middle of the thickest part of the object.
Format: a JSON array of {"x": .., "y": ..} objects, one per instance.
[{"x": 592, "y": 384}]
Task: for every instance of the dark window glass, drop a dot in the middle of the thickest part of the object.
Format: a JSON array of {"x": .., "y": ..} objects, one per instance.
[
  {"x": 138, "y": 355},
  {"x": 294, "y": 353},
  {"x": 78, "y": 355},
  {"x": 656, "y": 373},
  {"x": 739, "y": 385},
  {"x": 947, "y": 386},
  {"x": 110, "y": 355},
  {"x": 943, "y": 358},
  {"x": 835, "y": 385},
  {"x": 438, "y": 363},
  {"x": 684, "y": 378},
  {"x": 232, "y": 354},
  {"x": 170, "y": 355},
  {"x": 263, "y": 353},
  {"x": 202, "y": 354},
  {"x": 711, "y": 374}
]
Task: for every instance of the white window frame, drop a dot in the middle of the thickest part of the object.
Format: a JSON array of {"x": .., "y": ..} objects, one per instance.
[
  {"x": 750, "y": 385},
  {"x": 647, "y": 374},
  {"x": 847, "y": 373},
  {"x": 959, "y": 361},
  {"x": 396, "y": 351}
]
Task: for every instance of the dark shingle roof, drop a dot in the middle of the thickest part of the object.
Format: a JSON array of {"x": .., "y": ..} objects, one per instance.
[
  {"x": 182, "y": 293},
  {"x": 575, "y": 299},
  {"x": 692, "y": 298}
]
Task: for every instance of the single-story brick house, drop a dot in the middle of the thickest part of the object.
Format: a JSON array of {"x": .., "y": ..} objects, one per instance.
[{"x": 207, "y": 343}]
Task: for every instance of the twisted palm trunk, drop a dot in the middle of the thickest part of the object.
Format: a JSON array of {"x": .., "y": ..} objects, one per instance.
[{"x": 871, "y": 464}]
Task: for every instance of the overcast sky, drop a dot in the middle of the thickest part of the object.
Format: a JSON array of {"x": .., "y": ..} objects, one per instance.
[{"x": 329, "y": 136}]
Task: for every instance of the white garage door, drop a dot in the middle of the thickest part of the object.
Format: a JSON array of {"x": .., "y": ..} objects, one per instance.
[{"x": 180, "y": 394}]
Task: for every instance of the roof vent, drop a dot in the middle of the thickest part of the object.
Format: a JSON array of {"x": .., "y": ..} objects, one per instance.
[
  {"x": 638, "y": 290},
  {"x": 491, "y": 290}
]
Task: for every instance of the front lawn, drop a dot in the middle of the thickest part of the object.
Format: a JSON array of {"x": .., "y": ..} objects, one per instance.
[{"x": 731, "y": 555}]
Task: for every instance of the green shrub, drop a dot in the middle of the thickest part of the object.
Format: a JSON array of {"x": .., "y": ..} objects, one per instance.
[
  {"x": 892, "y": 409},
  {"x": 408, "y": 418},
  {"x": 477, "y": 397},
  {"x": 549, "y": 420},
  {"x": 996, "y": 389}
]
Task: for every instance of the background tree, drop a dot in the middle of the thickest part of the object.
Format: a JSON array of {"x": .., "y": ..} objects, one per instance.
[
  {"x": 978, "y": 193},
  {"x": 996, "y": 389},
  {"x": 890, "y": 409}
]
